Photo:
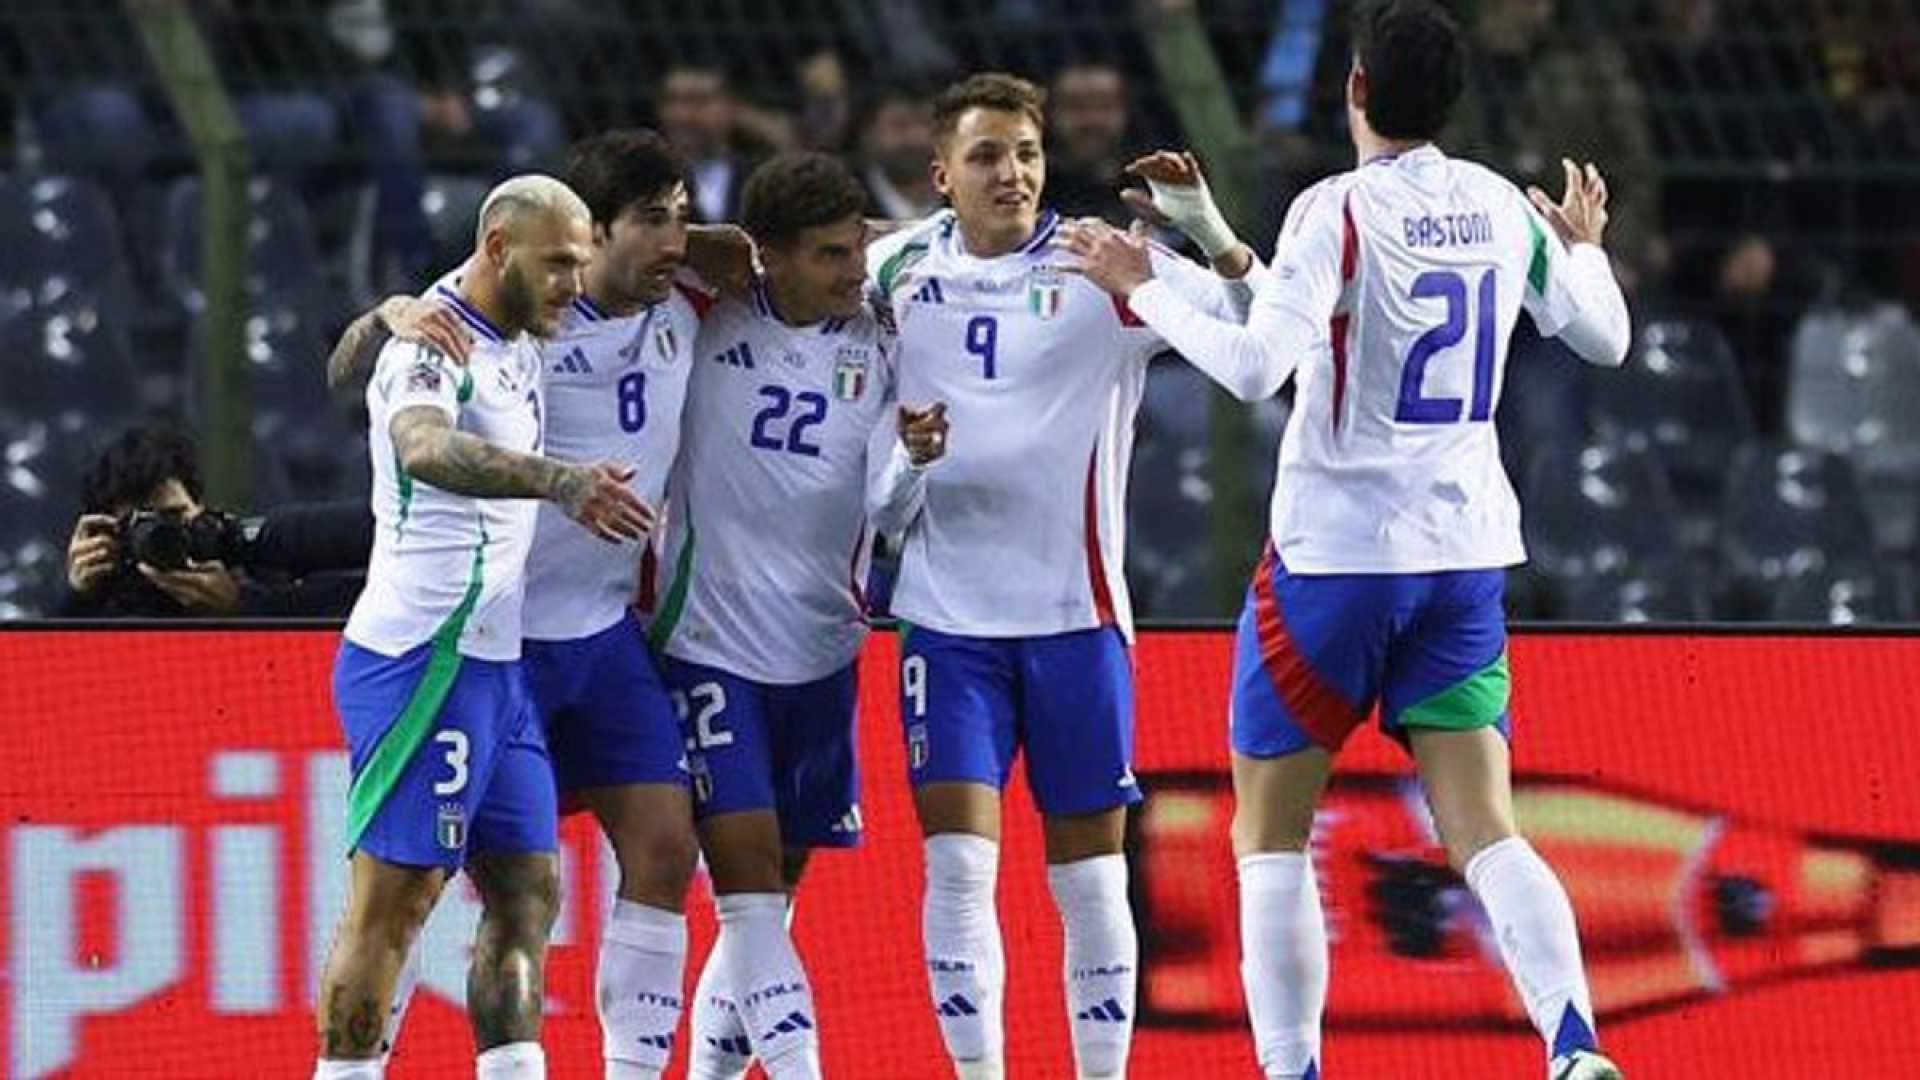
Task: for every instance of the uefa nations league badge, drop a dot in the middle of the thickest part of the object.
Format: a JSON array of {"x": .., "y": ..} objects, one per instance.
[
  {"x": 1046, "y": 285},
  {"x": 850, "y": 373}
]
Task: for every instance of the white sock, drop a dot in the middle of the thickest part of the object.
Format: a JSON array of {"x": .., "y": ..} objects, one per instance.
[
  {"x": 1102, "y": 960},
  {"x": 403, "y": 989},
  {"x": 720, "y": 1049},
  {"x": 981, "y": 1069},
  {"x": 1283, "y": 959},
  {"x": 966, "y": 962},
  {"x": 512, "y": 1061},
  {"x": 341, "y": 1069},
  {"x": 758, "y": 961},
  {"x": 643, "y": 954},
  {"x": 1533, "y": 923}
]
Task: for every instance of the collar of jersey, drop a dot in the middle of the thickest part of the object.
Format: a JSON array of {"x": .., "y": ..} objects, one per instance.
[
  {"x": 1043, "y": 231},
  {"x": 589, "y": 310},
  {"x": 471, "y": 316},
  {"x": 1417, "y": 154},
  {"x": 763, "y": 306}
]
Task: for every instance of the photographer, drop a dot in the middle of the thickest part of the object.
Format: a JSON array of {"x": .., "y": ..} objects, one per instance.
[{"x": 146, "y": 546}]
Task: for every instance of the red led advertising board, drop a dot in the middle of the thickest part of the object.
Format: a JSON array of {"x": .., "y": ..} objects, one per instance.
[{"x": 1736, "y": 817}]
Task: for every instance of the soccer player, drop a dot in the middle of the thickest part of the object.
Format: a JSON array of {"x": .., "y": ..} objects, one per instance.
[
  {"x": 615, "y": 373},
  {"x": 449, "y": 768},
  {"x": 795, "y": 454},
  {"x": 1016, "y": 621},
  {"x": 1393, "y": 293}
]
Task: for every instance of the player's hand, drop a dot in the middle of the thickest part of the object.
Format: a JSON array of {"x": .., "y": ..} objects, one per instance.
[
  {"x": 924, "y": 432},
  {"x": 723, "y": 256},
  {"x": 207, "y": 588},
  {"x": 1177, "y": 197},
  {"x": 1116, "y": 261},
  {"x": 1580, "y": 217},
  {"x": 92, "y": 552},
  {"x": 428, "y": 322},
  {"x": 597, "y": 496}
]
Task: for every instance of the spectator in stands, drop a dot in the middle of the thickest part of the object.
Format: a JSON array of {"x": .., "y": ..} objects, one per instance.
[
  {"x": 826, "y": 116},
  {"x": 721, "y": 137},
  {"x": 896, "y": 152},
  {"x": 1087, "y": 125},
  {"x": 1536, "y": 93}
]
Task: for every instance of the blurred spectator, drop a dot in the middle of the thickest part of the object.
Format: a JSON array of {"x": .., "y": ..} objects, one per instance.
[
  {"x": 1287, "y": 67},
  {"x": 826, "y": 103},
  {"x": 1536, "y": 93},
  {"x": 896, "y": 150},
  {"x": 720, "y": 139},
  {"x": 1088, "y": 147}
]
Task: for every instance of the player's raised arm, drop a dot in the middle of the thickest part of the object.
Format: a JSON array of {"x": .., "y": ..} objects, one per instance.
[
  {"x": 1177, "y": 197},
  {"x": 1290, "y": 309},
  {"x": 408, "y": 318},
  {"x": 1571, "y": 292}
]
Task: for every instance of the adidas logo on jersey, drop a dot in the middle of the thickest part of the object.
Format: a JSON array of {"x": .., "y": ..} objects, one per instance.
[
  {"x": 929, "y": 293},
  {"x": 573, "y": 363},
  {"x": 956, "y": 1005},
  {"x": 849, "y": 822},
  {"x": 740, "y": 356},
  {"x": 1108, "y": 1011}
]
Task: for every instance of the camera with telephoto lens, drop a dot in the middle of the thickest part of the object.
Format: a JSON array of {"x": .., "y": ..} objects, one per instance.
[{"x": 169, "y": 541}]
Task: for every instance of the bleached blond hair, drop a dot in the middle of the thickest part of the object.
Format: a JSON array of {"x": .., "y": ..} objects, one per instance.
[{"x": 525, "y": 193}]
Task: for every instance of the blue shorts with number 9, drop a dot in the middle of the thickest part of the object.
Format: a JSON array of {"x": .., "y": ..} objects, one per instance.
[
  {"x": 447, "y": 757},
  {"x": 971, "y": 703},
  {"x": 770, "y": 746},
  {"x": 1316, "y": 652}
]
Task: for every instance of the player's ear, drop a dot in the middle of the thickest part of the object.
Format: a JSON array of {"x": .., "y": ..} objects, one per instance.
[
  {"x": 493, "y": 245},
  {"x": 937, "y": 171},
  {"x": 1357, "y": 87}
]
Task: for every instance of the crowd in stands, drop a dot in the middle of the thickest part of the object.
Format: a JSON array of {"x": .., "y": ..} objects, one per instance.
[{"x": 1760, "y": 459}]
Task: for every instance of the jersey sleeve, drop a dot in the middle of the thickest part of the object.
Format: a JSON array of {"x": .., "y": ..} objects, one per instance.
[
  {"x": 409, "y": 375},
  {"x": 1572, "y": 295},
  {"x": 1289, "y": 313},
  {"x": 896, "y": 487}
]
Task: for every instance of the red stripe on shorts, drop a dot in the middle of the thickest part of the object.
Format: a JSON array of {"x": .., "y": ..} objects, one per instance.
[{"x": 1322, "y": 711}]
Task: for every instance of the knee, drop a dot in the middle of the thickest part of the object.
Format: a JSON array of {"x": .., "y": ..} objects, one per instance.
[
  {"x": 659, "y": 859},
  {"x": 961, "y": 868},
  {"x": 525, "y": 913}
]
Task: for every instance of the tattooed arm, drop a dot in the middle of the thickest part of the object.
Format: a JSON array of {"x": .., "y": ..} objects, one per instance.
[
  {"x": 596, "y": 496},
  {"x": 409, "y": 318}
]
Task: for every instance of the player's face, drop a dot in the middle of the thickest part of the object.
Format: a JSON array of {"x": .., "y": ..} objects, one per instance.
[
  {"x": 992, "y": 169},
  {"x": 544, "y": 258},
  {"x": 822, "y": 274},
  {"x": 643, "y": 249}
]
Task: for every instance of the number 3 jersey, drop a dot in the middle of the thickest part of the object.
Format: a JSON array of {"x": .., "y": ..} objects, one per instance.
[
  {"x": 615, "y": 386},
  {"x": 449, "y": 567},
  {"x": 1022, "y": 531},
  {"x": 1400, "y": 283},
  {"x": 768, "y": 538}
]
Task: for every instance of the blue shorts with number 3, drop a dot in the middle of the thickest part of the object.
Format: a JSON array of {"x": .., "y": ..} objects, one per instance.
[
  {"x": 970, "y": 703},
  {"x": 447, "y": 757}
]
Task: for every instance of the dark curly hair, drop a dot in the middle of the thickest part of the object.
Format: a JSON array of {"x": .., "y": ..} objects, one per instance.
[
  {"x": 796, "y": 191},
  {"x": 615, "y": 169},
  {"x": 129, "y": 469},
  {"x": 1416, "y": 66}
]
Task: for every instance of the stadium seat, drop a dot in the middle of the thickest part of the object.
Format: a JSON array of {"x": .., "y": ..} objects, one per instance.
[
  {"x": 1790, "y": 512},
  {"x": 1670, "y": 593},
  {"x": 452, "y": 204},
  {"x": 63, "y": 248},
  {"x": 1168, "y": 501},
  {"x": 283, "y": 262},
  {"x": 1598, "y": 510},
  {"x": 1543, "y": 398},
  {"x": 1842, "y": 596},
  {"x": 286, "y": 359},
  {"x": 1854, "y": 387},
  {"x": 73, "y": 356},
  {"x": 1681, "y": 396}
]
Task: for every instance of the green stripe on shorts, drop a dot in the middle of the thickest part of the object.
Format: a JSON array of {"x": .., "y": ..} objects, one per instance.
[
  {"x": 374, "y": 783},
  {"x": 1474, "y": 702}
]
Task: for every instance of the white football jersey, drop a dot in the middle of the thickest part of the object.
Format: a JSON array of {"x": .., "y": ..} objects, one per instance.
[
  {"x": 615, "y": 386},
  {"x": 449, "y": 567},
  {"x": 1022, "y": 532},
  {"x": 768, "y": 539},
  {"x": 1418, "y": 267}
]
